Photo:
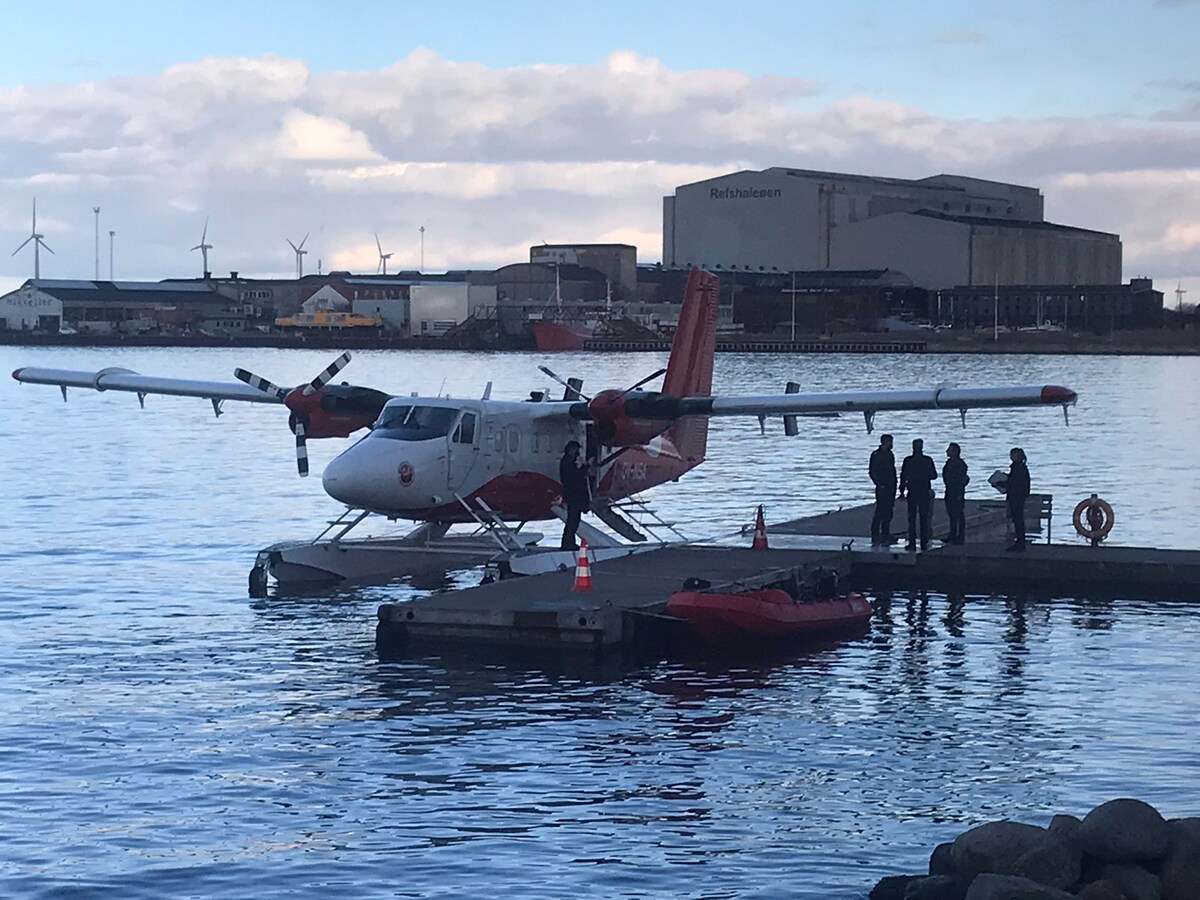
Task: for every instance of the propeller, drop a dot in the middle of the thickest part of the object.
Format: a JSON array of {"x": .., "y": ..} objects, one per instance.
[
  {"x": 327, "y": 374},
  {"x": 643, "y": 381},
  {"x": 301, "y": 448},
  {"x": 351, "y": 408},
  {"x": 260, "y": 383},
  {"x": 570, "y": 387}
]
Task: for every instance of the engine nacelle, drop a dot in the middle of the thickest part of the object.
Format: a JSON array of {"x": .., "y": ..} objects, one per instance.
[
  {"x": 615, "y": 426},
  {"x": 335, "y": 410}
]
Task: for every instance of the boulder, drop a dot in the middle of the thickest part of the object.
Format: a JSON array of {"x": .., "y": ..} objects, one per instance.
[
  {"x": 1180, "y": 871},
  {"x": 994, "y": 847},
  {"x": 1101, "y": 890},
  {"x": 1063, "y": 826},
  {"x": 1054, "y": 862},
  {"x": 891, "y": 887},
  {"x": 1012, "y": 887},
  {"x": 941, "y": 860},
  {"x": 1134, "y": 881},
  {"x": 1124, "y": 830},
  {"x": 937, "y": 887}
]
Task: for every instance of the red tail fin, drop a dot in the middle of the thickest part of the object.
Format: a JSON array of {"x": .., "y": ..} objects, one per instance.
[{"x": 690, "y": 368}]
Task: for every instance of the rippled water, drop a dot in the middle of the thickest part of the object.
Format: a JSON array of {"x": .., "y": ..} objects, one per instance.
[{"x": 162, "y": 734}]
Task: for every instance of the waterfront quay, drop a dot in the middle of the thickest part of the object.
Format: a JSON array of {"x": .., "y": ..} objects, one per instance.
[
  {"x": 625, "y": 607},
  {"x": 1132, "y": 343}
]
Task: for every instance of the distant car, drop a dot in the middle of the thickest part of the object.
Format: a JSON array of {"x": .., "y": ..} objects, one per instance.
[{"x": 66, "y": 329}]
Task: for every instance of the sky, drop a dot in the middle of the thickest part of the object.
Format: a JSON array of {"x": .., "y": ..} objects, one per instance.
[{"x": 495, "y": 126}]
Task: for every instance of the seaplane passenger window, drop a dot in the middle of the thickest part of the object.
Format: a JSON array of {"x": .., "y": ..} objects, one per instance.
[{"x": 416, "y": 423}]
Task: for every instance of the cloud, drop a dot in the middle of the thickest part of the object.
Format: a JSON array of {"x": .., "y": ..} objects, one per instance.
[
  {"x": 962, "y": 36},
  {"x": 492, "y": 160}
]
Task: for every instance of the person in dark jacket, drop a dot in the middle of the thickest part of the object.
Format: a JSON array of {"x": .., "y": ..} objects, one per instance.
[
  {"x": 1017, "y": 492},
  {"x": 883, "y": 476},
  {"x": 955, "y": 479},
  {"x": 576, "y": 493},
  {"x": 916, "y": 479}
]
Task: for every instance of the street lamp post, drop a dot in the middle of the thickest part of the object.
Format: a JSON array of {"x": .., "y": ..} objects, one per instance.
[{"x": 422, "y": 230}]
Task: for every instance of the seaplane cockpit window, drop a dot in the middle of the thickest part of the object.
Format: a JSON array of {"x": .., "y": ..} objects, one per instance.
[
  {"x": 415, "y": 423},
  {"x": 465, "y": 432}
]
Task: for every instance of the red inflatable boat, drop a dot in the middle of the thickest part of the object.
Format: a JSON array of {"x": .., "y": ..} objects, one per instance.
[{"x": 770, "y": 613}]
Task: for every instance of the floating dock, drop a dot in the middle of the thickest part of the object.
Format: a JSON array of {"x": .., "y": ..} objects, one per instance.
[{"x": 629, "y": 594}]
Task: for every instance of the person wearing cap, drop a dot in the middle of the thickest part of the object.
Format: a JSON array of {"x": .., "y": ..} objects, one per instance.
[
  {"x": 955, "y": 478},
  {"x": 576, "y": 493}
]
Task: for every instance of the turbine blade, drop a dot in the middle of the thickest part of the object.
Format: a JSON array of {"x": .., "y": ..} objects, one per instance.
[
  {"x": 293, "y": 246},
  {"x": 377, "y": 244},
  {"x": 23, "y": 243},
  {"x": 302, "y": 243},
  {"x": 204, "y": 234},
  {"x": 46, "y": 247}
]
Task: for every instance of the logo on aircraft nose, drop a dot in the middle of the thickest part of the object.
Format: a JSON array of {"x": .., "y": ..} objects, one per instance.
[{"x": 406, "y": 472}]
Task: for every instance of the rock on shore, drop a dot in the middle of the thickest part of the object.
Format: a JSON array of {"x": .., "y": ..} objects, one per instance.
[{"x": 1121, "y": 850}]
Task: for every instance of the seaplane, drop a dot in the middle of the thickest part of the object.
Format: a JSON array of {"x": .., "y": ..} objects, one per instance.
[{"x": 485, "y": 463}]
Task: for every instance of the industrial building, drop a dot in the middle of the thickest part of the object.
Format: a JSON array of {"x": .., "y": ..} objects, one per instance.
[{"x": 941, "y": 232}]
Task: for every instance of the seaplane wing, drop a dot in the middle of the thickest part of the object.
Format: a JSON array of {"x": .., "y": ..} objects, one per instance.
[
  {"x": 877, "y": 401},
  {"x": 117, "y": 379},
  {"x": 317, "y": 409}
]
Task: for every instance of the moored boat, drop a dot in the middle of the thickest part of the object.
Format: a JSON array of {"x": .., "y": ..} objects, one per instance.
[{"x": 722, "y": 618}]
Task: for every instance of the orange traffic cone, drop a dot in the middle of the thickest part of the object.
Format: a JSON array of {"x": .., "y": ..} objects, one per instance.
[
  {"x": 583, "y": 571},
  {"x": 760, "y": 532}
]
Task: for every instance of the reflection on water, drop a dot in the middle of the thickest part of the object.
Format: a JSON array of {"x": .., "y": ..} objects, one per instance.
[{"x": 161, "y": 734}]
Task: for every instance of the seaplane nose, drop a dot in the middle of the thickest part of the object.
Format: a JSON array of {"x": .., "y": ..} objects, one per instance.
[{"x": 356, "y": 477}]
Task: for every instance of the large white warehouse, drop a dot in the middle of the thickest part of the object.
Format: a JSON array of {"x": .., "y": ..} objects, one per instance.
[{"x": 943, "y": 231}]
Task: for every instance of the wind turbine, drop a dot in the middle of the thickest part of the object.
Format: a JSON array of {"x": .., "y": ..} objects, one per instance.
[
  {"x": 383, "y": 257},
  {"x": 299, "y": 251},
  {"x": 203, "y": 247},
  {"x": 37, "y": 244}
]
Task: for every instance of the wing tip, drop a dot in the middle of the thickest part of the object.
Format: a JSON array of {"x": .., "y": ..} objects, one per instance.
[
  {"x": 1053, "y": 393},
  {"x": 17, "y": 373}
]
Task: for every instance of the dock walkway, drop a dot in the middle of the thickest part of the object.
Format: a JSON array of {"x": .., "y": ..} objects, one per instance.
[{"x": 630, "y": 593}]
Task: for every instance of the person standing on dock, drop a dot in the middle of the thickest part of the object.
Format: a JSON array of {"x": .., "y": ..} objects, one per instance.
[
  {"x": 883, "y": 476},
  {"x": 576, "y": 493},
  {"x": 955, "y": 479},
  {"x": 1017, "y": 492},
  {"x": 916, "y": 479}
]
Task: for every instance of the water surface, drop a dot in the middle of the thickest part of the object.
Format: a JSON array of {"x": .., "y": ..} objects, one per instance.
[{"x": 162, "y": 734}]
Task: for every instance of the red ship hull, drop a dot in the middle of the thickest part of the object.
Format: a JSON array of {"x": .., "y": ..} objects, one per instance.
[
  {"x": 559, "y": 335},
  {"x": 766, "y": 614}
]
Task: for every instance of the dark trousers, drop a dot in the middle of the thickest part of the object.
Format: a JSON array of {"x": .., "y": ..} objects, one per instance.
[
  {"x": 919, "y": 503},
  {"x": 881, "y": 522},
  {"x": 958, "y": 522},
  {"x": 574, "y": 511},
  {"x": 1016, "y": 512}
]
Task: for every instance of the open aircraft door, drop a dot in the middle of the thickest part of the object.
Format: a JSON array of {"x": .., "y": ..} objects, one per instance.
[{"x": 462, "y": 449}]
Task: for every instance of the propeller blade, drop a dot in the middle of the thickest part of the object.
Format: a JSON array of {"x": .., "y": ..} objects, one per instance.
[
  {"x": 301, "y": 450},
  {"x": 546, "y": 371},
  {"x": 644, "y": 380},
  {"x": 327, "y": 374},
  {"x": 259, "y": 383}
]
